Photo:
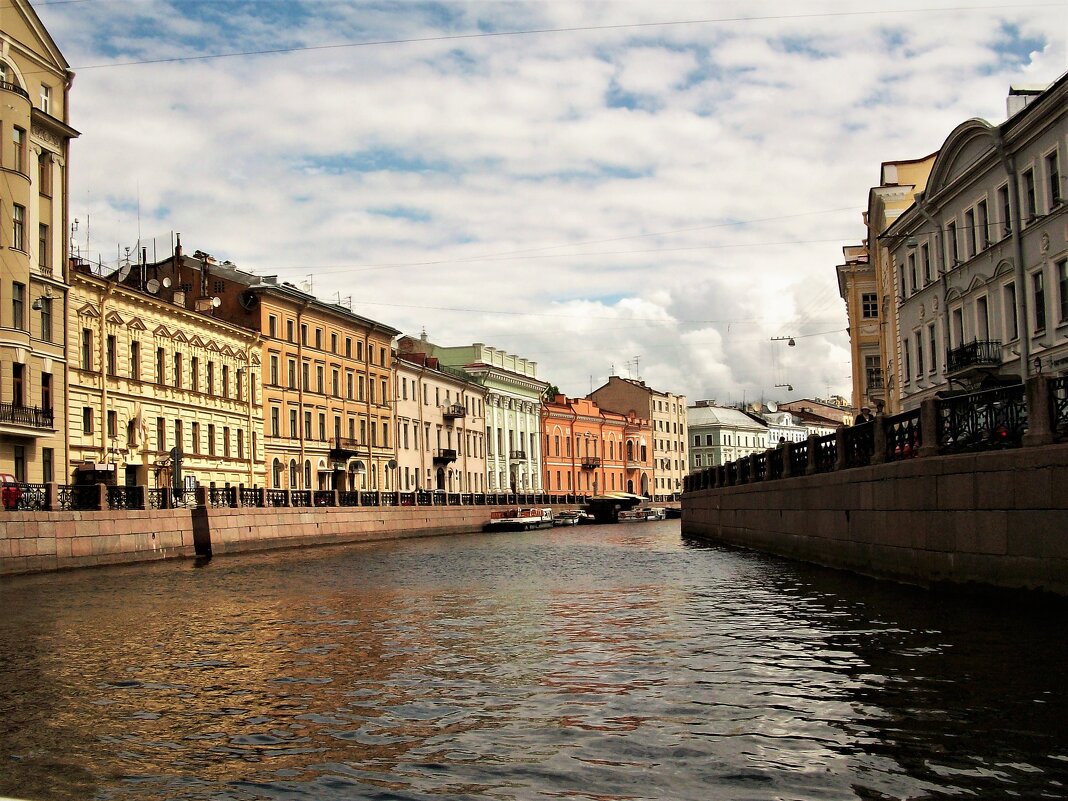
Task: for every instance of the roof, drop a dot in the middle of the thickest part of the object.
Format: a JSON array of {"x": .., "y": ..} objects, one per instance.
[{"x": 697, "y": 416}]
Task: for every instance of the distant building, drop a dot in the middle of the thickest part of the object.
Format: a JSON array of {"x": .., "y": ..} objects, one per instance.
[
  {"x": 831, "y": 412},
  {"x": 866, "y": 284},
  {"x": 993, "y": 308},
  {"x": 440, "y": 427},
  {"x": 513, "y": 409},
  {"x": 35, "y": 140},
  {"x": 667, "y": 413},
  {"x": 589, "y": 451},
  {"x": 719, "y": 435}
]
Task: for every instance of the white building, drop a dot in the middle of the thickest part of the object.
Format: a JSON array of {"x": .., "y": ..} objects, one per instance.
[
  {"x": 719, "y": 435},
  {"x": 981, "y": 262},
  {"x": 440, "y": 427}
]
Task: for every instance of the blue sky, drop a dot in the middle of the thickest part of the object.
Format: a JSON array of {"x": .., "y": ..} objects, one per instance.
[{"x": 618, "y": 188}]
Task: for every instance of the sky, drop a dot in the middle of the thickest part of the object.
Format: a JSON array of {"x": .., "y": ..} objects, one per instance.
[{"x": 652, "y": 190}]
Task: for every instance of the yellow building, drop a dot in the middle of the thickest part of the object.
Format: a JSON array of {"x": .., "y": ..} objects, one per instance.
[
  {"x": 160, "y": 395},
  {"x": 868, "y": 285},
  {"x": 34, "y": 147}
]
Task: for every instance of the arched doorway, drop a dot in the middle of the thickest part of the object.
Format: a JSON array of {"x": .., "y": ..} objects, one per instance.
[
  {"x": 630, "y": 486},
  {"x": 441, "y": 479},
  {"x": 645, "y": 484}
]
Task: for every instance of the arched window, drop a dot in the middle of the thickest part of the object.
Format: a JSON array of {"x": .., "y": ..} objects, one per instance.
[
  {"x": 307, "y": 475},
  {"x": 294, "y": 474},
  {"x": 276, "y": 473}
]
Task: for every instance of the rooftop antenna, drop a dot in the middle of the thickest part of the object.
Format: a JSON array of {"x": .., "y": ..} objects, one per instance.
[{"x": 637, "y": 369}]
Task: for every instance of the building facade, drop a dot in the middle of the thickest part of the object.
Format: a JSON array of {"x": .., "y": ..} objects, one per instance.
[
  {"x": 35, "y": 140},
  {"x": 513, "y": 409},
  {"x": 668, "y": 415},
  {"x": 720, "y": 435},
  {"x": 993, "y": 309},
  {"x": 326, "y": 373},
  {"x": 440, "y": 425},
  {"x": 160, "y": 395},
  {"x": 866, "y": 284},
  {"x": 589, "y": 451}
]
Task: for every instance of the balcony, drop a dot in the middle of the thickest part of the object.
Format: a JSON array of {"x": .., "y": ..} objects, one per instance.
[
  {"x": 38, "y": 421},
  {"x": 444, "y": 456},
  {"x": 453, "y": 411},
  {"x": 14, "y": 87},
  {"x": 517, "y": 456},
  {"x": 980, "y": 355},
  {"x": 874, "y": 380},
  {"x": 633, "y": 465},
  {"x": 591, "y": 462},
  {"x": 343, "y": 448}
]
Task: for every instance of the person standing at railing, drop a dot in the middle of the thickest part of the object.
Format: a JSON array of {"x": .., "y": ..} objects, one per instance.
[{"x": 865, "y": 416}]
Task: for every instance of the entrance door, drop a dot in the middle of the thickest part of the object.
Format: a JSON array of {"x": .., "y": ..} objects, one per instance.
[{"x": 441, "y": 479}]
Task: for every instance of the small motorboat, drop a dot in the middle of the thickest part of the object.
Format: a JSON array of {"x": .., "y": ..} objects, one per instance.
[
  {"x": 568, "y": 517},
  {"x": 519, "y": 519},
  {"x": 632, "y": 516}
]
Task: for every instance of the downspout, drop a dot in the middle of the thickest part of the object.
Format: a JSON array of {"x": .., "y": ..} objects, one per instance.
[
  {"x": 300, "y": 387},
  {"x": 104, "y": 371},
  {"x": 251, "y": 401},
  {"x": 943, "y": 272}
]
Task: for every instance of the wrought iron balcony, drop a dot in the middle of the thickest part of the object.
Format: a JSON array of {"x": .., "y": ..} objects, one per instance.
[
  {"x": 444, "y": 455},
  {"x": 874, "y": 379},
  {"x": 591, "y": 462},
  {"x": 977, "y": 354},
  {"x": 343, "y": 448},
  {"x": 453, "y": 411},
  {"x": 14, "y": 87},
  {"x": 517, "y": 456},
  {"x": 32, "y": 417}
]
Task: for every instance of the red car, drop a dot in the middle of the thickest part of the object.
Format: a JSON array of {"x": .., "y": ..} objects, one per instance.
[{"x": 11, "y": 492}]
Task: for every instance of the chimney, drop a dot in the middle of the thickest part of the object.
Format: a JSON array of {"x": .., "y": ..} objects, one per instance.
[{"x": 1020, "y": 97}]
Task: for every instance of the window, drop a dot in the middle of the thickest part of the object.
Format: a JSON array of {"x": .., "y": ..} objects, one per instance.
[
  {"x": 46, "y": 99},
  {"x": 275, "y": 429},
  {"x": 1030, "y": 210},
  {"x": 359, "y": 350},
  {"x": 319, "y": 382},
  {"x": 272, "y": 326},
  {"x": 211, "y": 378},
  {"x": 113, "y": 424},
  {"x": 906, "y": 360},
  {"x": 289, "y": 330},
  {"x": 322, "y": 427},
  {"x": 46, "y": 319},
  {"x": 305, "y": 376},
  {"x": 335, "y": 383},
  {"x": 18, "y": 227},
  {"x": 869, "y": 305},
  {"x": 954, "y": 247},
  {"x": 18, "y": 306},
  {"x": 18, "y": 137},
  {"x": 970, "y": 238},
  {"x": 42, "y": 247},
  {"x": 240, "y": 394},
  {"x": 292, "y": 373},
  {"x": 1012, "y": 325},
  {"x": 44, "y": 174},
  {"x": 303, "y": 334},
  {"x": 333, "y": 343},
  {"x": 306, "y": 434},
  {"x": 111, "y": 354},
  {"x": 194, "y": 437},
  {"x": 932, "y": 340},
  {"x": 982, "y": 222},
  {"x": 87, "y": 349},
  {"x": 194, "y": 374},
  {"x": 918, "y": 337},
  {"x": 17, "y": 383},
  {"x": 87, "y": 420},
  {"x": 982, "y": 319},
  {"x": 161, "y": 434},
  {"x": 1061, "y": 269},
  {"x": 1053, "y": 176},
  {"x": 902, "y": 289},
  {"x": 1038, "y": 294},
  {"x": 160, "y": 368},
  {"x": 226, "y": 380},
  {"x": 226, "y": 441},
  {"x": 240, "y": 443},
  {"x": 178, "y": 440},
  {"x": 348, "y": 384},
  {"x": 925, "y": 261},
  {"x": 48, "y": 460},
  {"x": 348, "y": 346},
  {"x": 913, "y": 283},
  {"x": 46, "y": 391},
  {"x": 273, "y": 370},
  {"x": 1003, "y": 209},
  {"x": 292, "y": 423},
  {"x": 211, "y": 439},
  {"x": 178, "y": 370},
  {"x": 319, "y": 339},
  {"x": 135, "y": 360}
]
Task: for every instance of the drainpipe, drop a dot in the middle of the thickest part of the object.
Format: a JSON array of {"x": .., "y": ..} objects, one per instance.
[
  {"x": 943, "y": 271},
  {"x": 251, "y": 397},
  {"x": 104, "y": 371},
  {"x": 300, "y": 388}
]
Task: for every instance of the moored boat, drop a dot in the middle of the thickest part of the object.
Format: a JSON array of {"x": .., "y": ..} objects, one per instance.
[
  {"x": 519, "y": 519},
  {"x": 568, "y": 517}
]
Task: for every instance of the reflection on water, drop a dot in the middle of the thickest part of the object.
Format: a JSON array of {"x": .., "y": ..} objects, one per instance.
[{"x": 593, "y": 663}]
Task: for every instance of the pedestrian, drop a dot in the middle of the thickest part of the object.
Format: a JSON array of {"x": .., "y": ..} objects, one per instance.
[{"x": 863, "y": 417}]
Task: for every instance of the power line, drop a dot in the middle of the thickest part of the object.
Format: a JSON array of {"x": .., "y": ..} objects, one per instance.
[{"x": 539, "y": 31}]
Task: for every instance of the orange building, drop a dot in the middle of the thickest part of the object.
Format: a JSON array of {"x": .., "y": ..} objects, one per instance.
[{"x": 589, "y": 451}]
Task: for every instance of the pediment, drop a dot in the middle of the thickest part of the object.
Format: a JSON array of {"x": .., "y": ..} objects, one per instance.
[
  {"x": 213, "y": 347},
  {"x": 967, "y": 144},
  {"x": 88, "y": 310},
  {"x": 161, "y": 331},
  {"x": 196, "y": 341},
  {"x": 136, "y": 324},
  {"x": 114, "y": 318},
  {"x": 179, "y": 336},
  {"x": 1003, "y": 267}
]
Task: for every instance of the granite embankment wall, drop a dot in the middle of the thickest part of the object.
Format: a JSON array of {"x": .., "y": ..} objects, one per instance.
[
  {"x": 995, "y": 519},
  {"x": 40, "y": 541}
]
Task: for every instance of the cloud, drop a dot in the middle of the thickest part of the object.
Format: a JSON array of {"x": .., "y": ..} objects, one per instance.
[{"x": 662, "y": 199}]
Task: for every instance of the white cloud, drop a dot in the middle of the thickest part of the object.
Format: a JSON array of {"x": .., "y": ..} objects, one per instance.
[{"x": 686, "y": 155}]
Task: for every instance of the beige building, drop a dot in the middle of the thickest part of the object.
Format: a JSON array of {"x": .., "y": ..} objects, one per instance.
[
  {"x": 866, "y": 284},
  {"x": 668, "y": 418},
  {"x": 441, "y": 427},
  {"x": 160, "y": 395},
  {"x": 34, "y": 149}
]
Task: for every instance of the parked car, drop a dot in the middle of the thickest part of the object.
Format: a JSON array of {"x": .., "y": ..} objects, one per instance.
[{"x": 10, "y": 491}]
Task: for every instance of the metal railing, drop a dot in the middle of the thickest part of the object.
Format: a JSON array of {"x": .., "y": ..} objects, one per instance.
[
  {"x": 858, "y": 444},
  {"x": 33, "y": 416},
  {"x": 1058, "y": 400},
  {"x": 123, "y": 497},
  {"x": 996, "y": 418},
  {"x": 977, "y": 353},
  {"x": 826, "y": 453},
  {"x": 798, "y": 458},
  {"x": 301, "y": 498},
  {"x": 903, "y": 436},
  {"x": 14, "y": 87}
]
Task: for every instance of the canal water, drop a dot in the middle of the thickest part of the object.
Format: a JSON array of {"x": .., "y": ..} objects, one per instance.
[{"x": 601, "y": 662}]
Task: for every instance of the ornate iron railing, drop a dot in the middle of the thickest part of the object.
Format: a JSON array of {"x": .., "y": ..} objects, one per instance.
[
  {"x": 799, "y": 458},
  {"x": 466, "y": 499},
  {"x": 25, "y": 497},
  {"x": 775, "y": 464},
  {"x": 274, "y": 497},
  {"x": 251, "y": 497},
  {"x": 388, "y": 498},
  {"x": 453, "y": 499},
  {"x": 14, "y": 87},
  {"x": 301, "y": 498},
  {"x": 156, "y": 499},
  {"x": 826, "y": 453},
  {"x": 1058, "y": 398},
  {"x": 759, "y": 468},
  {"x": 32, "y": 416},
  {"x": 348, "y": 498},
  {"x": 996, "y": 418},
  {"x": 323, "y": 497},
  {"x": 407, "y": 499},
  {"x": 123, "y": 497},
  {"x": 218, "y": 496},
  {"x": 859, "y": 443},
  {"x": 903, "y": 436},
  {"x": 978, "y": 353}
]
